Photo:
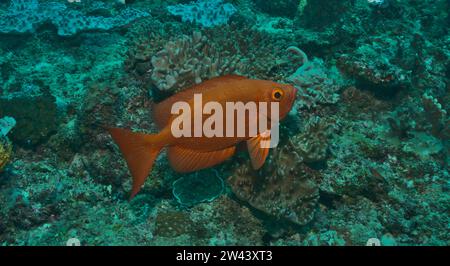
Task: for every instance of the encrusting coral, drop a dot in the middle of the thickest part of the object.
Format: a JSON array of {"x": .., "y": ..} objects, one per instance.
[
  {"x": 385, "y": 73},
  {"x": 208, "y": 13},
  {"x": 203, "y": 186},
  {"x": 25, "y": 16},
  {"x": 317, "y": 84},
  {"x": 285, "y": 189},
  {"x": 312, "y": 143}
]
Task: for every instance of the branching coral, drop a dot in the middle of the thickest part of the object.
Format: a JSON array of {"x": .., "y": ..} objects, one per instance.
[{"x": 25, "y": 16}]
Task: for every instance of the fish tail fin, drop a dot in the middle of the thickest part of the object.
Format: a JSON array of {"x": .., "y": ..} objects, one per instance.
[{"x": 140, "y": 151}]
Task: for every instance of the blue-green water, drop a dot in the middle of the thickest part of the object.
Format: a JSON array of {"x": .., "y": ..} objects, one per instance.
[{"x": 363, "y": 153}]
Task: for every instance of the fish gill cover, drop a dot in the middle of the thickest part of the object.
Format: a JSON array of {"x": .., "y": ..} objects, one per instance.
[{"x": 363, "y": 153}]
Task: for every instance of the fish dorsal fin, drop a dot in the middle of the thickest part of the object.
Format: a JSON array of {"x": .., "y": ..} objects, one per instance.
[
  {"x": 225, "y": 78},
  {"x": 161, "y": 111},
  {"x": 257, "y": 151},
  {"x": 186, "y": 160}
]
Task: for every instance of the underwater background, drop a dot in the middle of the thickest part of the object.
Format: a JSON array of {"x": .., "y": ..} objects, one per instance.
[{"x": 363, "y": 154}]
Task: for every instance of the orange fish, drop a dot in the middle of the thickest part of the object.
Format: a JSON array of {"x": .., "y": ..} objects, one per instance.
[{"x": 192, "y": 152}]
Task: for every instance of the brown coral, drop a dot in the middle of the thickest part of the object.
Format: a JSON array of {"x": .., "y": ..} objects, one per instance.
[
  {"x": 229, "y": 222},
  {"x": 316, "y": 83},
  {"x": 285, "y": 188},
  {"x": 190, "y": 60},
  {"x": 312, "y": 144},
  {"x": 173, "y": 224},
  {"x": 379, "y": 64},
  {"x": 5, "y": 153}
]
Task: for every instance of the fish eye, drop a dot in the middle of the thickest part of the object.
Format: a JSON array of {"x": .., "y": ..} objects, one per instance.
[{"x": 277, "y": 94}]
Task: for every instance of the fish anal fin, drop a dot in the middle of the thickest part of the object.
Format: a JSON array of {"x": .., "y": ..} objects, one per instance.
[
  {"x": 257, "y": 150},
  {"x": 185, "y": 160}
]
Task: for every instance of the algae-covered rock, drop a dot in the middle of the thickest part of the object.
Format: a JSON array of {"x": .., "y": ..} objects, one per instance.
[
  {"x": 6, "y": 124},
  {"x": 36, "y": 117},
  {"x": 284, "y": 8},
  {"x": 5, "y": 153}
]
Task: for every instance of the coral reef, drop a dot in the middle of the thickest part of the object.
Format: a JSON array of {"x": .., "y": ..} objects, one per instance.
[
  {"x": 190, "y": 60},
  {"x": 173, "y": 224},
  {"x": 317, "y": 84},
  {"x": 202, "y": 186},
  {"x": 286, "y": 189},
  {"x": 25, "y": 16},
  {"x": 375, "y": 71},
  {"x": 364, "y": 153},
  {"x": 286, "y": 8},
  {"x": 311, "y": 145},
  {"x": 208, "y": 13},
  {"x": 437, "y": 115},
  {"x": 6, "y": 124},
  {"x": 5, "y": 152},
  {"x": 28, "y": 110},
  {"x": 187, "y": 60}
]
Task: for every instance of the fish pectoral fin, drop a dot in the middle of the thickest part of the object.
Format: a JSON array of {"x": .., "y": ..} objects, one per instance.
[
  {"x": 258, "y": 149},
  {"x": 186, "y": 160}
]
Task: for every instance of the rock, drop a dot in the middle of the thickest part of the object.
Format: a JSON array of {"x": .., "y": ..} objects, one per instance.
[{"x": 36, "y": 117}]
